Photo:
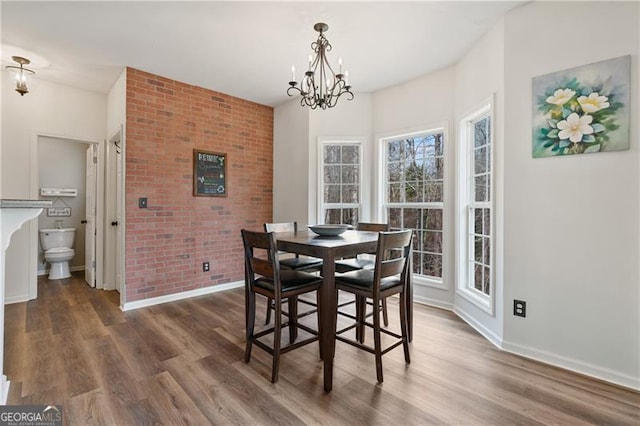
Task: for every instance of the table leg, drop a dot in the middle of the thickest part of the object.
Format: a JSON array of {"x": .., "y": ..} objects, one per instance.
[{"x": 329, "y": 308}]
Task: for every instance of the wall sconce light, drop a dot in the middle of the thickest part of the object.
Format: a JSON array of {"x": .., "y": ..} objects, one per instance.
[{"x": 21, "y": 74}]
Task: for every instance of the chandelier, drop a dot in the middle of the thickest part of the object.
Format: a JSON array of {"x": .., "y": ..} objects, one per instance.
[
  {"x": 21, "y": 74},
  {"x": 320, "y": 87}
]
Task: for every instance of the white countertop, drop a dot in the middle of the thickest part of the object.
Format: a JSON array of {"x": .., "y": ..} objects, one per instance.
[{"x": 24, "y": 204}]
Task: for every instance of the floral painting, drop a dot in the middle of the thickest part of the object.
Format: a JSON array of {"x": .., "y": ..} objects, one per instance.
[{"x": 582, "y": 110}]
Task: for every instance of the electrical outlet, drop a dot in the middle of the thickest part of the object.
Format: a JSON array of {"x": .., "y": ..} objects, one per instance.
[
  {"x": 205, "y": 266},
  {"x": 520, "y": 308},
  {"x": 142, "y": 202}
]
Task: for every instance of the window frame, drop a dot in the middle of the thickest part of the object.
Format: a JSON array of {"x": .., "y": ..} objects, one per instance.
[
  {"x": 383, "y": 139},
  {"x": 465, "y": 202},
  {"x": 362, "y": 186}
]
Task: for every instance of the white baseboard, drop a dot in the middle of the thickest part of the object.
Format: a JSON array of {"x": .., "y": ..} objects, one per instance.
[
  {"x": 71, "y": 269},
  {"x": 16, "y": 299},
  {"x": 4, "y": 389},
  {"x": 180, "y": 296},
  {"x": 574, "y": 365},
  {"x": 432, "y": 302},
  {"x": 479, "y": 327}
]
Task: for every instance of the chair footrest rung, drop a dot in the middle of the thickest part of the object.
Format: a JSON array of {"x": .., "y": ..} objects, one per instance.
[
  {"x": 287, "y": 348},
  {"x": 307, "y": 329},
  {"x": 395, "y": 345},
  {"x": 346, "y": 329},
  {"x": 356, "y": 344}
]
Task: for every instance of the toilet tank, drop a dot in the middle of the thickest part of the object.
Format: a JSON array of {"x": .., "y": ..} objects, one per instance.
[{"x": 54, "y": 238}]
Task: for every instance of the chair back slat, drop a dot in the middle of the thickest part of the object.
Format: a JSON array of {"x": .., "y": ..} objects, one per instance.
[
  {"x": 281, "y": 227},
  {"x": 391, "y": 267},
  {"x": 372, "y": 227},
  {"x": 262, "y": 267}
]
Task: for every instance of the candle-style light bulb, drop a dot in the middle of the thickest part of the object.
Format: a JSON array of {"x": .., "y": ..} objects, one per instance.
[
  {"x": 310, "y": 61},
  {"x": 340, "y": 64},
  {"x": 293, "y": 73},
  {"x": 346, "y": 77}
]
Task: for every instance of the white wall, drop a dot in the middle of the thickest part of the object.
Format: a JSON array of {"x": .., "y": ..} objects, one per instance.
[
  {"x": 478, "y": 77},
  {"x": 49, "y": 109},
  {"x": 291, "y": 163},
  {"x": 413, "y": 106},
  {"x": 62, "y": 164},
  {"x": 571, "y": 245},
  {"x": 117, "y": 105},
  {"x": 350, "y": 119}
]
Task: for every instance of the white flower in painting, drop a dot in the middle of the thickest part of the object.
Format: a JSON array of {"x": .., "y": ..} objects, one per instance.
[
  {"x": 594, "y": 102},
  {"x": 574, "y": 127},
  {"x": 560, "y": 96}
]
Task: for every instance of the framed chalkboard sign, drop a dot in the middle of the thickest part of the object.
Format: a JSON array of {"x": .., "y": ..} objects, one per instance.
[{"x": 209, "y": 174}]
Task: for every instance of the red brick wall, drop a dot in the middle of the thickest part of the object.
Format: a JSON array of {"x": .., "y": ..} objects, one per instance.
[{"x": 167, "y": 242}]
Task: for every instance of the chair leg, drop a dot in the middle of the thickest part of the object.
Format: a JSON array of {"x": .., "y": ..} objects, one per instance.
[
  {"x": 250, "y": 312},
  {"x": 293, "y": 318},
  {"x": 404, "y": 326},
  {"x": 361, "y": 314},
  {"x": 385, "y": 314},
  {"x": 277, "y": 338},
  {"x": 377, "y": 340},
  {"x": 269, "y": 305},
  {"x": 319, "y": 320}
]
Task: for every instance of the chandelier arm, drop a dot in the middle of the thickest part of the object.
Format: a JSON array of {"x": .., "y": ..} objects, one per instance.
[{"x": 12, "y": 67}]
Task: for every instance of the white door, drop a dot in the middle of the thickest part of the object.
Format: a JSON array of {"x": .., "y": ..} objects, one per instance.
[{"x": 90, "y": 216}]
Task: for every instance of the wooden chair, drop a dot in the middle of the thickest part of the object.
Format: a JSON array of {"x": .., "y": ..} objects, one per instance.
[
  {"x": 264, "y": 276},
  {"x": 297, "y": 263},
  {"x": 357, "y": 263},
  {"x": 390, "y": 276}
]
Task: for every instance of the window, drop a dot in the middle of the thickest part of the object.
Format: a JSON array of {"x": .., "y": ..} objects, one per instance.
[
  {"x": 340, "y": 182},
  {"x": 413, "y": 194},
  {"x": 476, "y": 208}
]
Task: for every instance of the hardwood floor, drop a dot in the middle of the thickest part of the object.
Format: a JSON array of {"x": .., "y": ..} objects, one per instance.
[{"x": 182, "y": 363}]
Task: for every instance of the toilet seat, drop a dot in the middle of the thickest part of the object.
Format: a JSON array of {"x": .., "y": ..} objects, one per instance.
[{"x": 59, "y": 253}]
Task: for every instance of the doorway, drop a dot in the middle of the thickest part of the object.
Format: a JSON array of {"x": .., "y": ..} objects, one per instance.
[{"x": 76, "y": 164}]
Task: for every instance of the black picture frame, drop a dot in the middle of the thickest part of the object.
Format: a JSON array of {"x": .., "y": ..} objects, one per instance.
[{"x": 209, "y": 174}]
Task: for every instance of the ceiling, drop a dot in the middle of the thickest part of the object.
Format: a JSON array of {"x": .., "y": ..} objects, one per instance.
[{"x": 244, "y": 49}]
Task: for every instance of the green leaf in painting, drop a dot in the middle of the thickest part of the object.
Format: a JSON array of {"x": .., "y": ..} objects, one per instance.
[
  {"x": 548, "y": 144},
  {"x": 553, "y": 134},
  {"x": 566, "y": 112},
  {"x": 597, "y": 128},
  {"x": 553, "y": 123},
  {"x": 564, "y": 143},
  {"x": 592, "y": 148},
  {"x": 588, "y": 138}
]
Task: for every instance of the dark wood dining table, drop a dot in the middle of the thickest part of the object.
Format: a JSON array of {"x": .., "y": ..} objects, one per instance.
[{"x": 349, "y": 244}]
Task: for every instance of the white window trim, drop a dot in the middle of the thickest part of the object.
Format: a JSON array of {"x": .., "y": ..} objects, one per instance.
[
  {"x": 381, "y": 214},
  {"x": 363, "y": 209},
  {"x": 464, "y": 158}
]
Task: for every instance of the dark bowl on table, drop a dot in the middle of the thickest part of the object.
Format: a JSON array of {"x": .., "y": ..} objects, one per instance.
[{"x": 329, "y": 230}]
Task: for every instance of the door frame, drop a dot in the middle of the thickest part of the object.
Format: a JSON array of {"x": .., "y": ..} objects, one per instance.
[
  {"x": 91, "y": 210},
  {"x": 35, "y": 194},
  {"x": 115, "y": 190}
]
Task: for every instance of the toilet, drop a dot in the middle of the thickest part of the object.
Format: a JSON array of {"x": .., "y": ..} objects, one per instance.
[{"x": 57, "y": 245}]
